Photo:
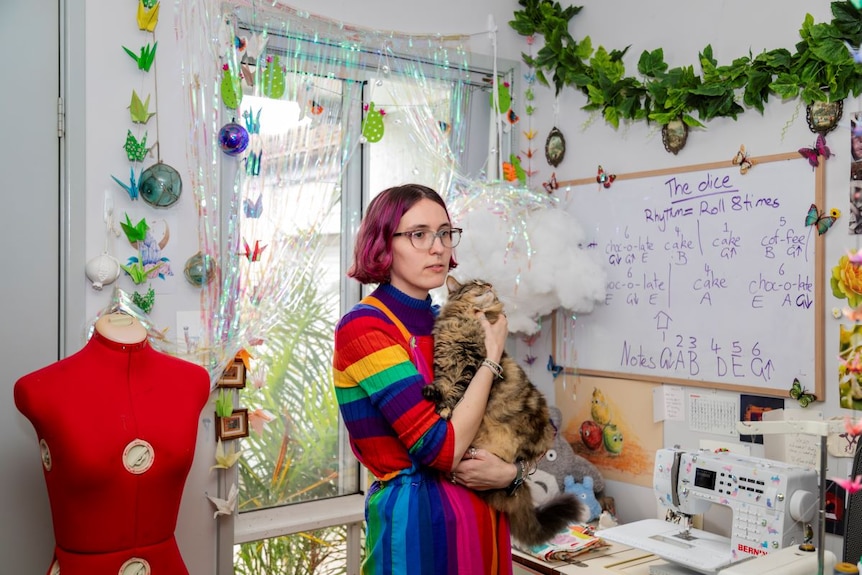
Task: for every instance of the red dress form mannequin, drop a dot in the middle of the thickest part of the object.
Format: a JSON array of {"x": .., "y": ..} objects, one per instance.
[{"x": 117, "y": 425}]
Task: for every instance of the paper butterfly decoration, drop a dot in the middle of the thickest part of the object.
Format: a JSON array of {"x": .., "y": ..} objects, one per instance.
[
  {"x": 855, "y": 257},
  {"x": 132, "y": 187},
  {"x": 512, "y": 117},
  {"x": 850, "y": 486},
  {"x": 253, "y": 255},
  {"x": 742, "y": 160},
  {"x": 605, "y": 178},
  {"x": 225, "y": 506},
  {"x": 813, "y": 154},
  {"x": 551, "y": 184},
  {"x": 316, "y": 108},
  {"x": 853, "y": 429},
  {"x": 820, "y": 220},
  {"x": 253, "y": 209},
  {"x": 799, "y": 393},
  {"x": 553, "y": 367}
]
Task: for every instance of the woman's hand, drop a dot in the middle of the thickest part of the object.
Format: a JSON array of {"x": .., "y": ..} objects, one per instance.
[
  {"x": 495, "y": 335},
  {"x": 481, "y": 470}
]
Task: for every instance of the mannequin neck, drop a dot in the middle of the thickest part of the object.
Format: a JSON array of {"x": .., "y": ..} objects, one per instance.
[{"x": 121, "y": 328}]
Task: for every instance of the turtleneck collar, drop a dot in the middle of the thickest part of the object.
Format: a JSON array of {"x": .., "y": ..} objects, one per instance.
[{"x": 417, "y": 315}]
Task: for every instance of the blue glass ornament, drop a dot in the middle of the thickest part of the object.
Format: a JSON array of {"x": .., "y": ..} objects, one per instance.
[
  {"x": 233, "y": 139},
  {"x": 199, "y": 269},
  {"x": 160, "y": 185}
]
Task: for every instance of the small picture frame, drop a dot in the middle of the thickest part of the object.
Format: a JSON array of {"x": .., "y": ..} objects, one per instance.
[
  {"x": 233, "y": 426},
  {"x": 234, "y": 375}
]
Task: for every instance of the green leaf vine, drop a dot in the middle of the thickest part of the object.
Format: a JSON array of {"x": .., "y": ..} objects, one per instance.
[{"x": 822, "y": 68}]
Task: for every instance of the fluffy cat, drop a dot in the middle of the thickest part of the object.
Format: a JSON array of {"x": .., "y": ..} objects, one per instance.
[{"x": 516, "y": 425}]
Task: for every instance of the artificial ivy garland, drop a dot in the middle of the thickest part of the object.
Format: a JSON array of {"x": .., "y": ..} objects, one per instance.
[{"x": 822, "y": 68}]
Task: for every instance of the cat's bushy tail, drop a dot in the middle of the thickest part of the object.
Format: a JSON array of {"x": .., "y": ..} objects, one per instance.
[{"x": 532, "y": 525}]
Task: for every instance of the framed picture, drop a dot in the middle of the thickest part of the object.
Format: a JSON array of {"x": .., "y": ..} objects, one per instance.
[
  {"x": 233, "y": 426},
  {"x": 234, "y": 375}
]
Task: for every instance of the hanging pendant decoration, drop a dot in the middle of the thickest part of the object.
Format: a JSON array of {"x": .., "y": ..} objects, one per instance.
[
  {"x": 674, "y": 135},
  {"x": 555, "y": 147},
  {"x": 823, "y": 117},
  {"x": 160, "y": 185}
]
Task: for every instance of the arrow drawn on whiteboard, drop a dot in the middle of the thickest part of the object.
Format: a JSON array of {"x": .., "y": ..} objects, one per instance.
[{"x": 662, "y": 320}]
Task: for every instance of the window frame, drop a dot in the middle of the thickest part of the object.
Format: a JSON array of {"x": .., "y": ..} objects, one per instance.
[{"x": 341, "y": 510}]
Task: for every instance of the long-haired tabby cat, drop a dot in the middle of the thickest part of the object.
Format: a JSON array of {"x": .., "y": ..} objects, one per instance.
[{"x": 516, "y": 425}]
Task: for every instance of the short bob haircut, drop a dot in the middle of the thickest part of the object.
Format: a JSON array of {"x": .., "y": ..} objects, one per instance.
[{"x": 372, "y": 253}]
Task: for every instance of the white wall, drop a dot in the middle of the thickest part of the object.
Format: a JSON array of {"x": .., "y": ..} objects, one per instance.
[{"x": 682, "y": 28}]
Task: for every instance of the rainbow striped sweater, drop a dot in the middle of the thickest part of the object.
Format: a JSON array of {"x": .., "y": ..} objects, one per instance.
[{"x": 379, "y": 388}]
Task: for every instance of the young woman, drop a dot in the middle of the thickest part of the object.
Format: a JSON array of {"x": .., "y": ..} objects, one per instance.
[{"x": 422, "y": 513}]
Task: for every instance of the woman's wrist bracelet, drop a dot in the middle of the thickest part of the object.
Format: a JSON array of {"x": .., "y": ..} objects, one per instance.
[
  {"x": 519, "y": 477},
  {"x": 495, "y": 367}
]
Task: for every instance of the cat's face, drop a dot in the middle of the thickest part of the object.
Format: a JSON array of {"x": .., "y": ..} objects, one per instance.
[{"x": 478, "y": 294}]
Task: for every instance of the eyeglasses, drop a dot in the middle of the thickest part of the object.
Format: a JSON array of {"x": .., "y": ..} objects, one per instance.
[{"x": 424, "y": 239}]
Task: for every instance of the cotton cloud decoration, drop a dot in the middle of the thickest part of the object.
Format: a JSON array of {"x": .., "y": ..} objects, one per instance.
[{"x": 532, "y": 252}]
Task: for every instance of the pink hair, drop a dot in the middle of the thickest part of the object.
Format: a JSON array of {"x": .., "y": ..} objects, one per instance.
[{"x": 372, "y": 253}]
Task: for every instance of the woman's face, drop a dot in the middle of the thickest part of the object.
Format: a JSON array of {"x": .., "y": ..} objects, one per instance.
[{"x": 416, "y": 271}]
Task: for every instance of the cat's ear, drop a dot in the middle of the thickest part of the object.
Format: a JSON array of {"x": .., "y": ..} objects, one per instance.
[{"x": 452, "y": 284}]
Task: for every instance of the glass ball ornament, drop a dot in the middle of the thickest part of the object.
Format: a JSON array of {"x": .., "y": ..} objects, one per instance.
[
  {"x": 233, "y": 139},
  {"x": 160, "y": 185},
  {"x": 199, "y": 269}
]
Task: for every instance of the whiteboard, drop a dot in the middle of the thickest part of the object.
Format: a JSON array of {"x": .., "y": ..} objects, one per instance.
[{"x": 713, "y": 278}]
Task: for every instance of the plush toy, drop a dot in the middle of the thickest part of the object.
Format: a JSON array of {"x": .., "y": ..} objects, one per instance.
[
  {"x": 584, "y": 492},
  {"x": 559, "y": 462}
]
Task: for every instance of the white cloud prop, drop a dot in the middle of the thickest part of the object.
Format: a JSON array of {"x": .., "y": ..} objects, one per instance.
[{"x": 532, "y": 254}]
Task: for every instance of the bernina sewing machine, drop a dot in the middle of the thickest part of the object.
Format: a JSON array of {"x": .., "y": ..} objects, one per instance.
[{"x": 772, "y": 504}]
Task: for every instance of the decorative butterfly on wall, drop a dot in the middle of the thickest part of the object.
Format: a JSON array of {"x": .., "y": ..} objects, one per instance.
[
  {"x": 315, "y": 107},
  {"x": 743, "y": 160},
  {"x": 551, "y": 184},
  {"x": 553, "y": 367},
  {"x": 605, "y": 178},
  {"x": 799, "y": 393},
  {"x": 512, "y": 117},
  {"x": 820, "y": 220},
  {"x": 814, "y": 154}
]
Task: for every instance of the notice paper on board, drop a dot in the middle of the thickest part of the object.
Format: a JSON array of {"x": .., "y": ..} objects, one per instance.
[{"x": 794, "y": 448}]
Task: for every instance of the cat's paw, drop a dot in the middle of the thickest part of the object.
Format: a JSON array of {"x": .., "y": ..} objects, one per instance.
[
  {"x": 431, "y": 393},
  {"x": 445, "y": 412}
]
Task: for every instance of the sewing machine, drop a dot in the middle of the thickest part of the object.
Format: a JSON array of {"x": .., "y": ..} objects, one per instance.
[{"x": 772, "y": 504}]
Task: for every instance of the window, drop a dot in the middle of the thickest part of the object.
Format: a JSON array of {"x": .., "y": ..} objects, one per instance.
[{"x": 291, "y": 201}]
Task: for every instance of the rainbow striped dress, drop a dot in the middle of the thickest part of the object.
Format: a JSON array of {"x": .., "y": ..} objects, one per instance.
[{"x": 417, "y": 522}]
